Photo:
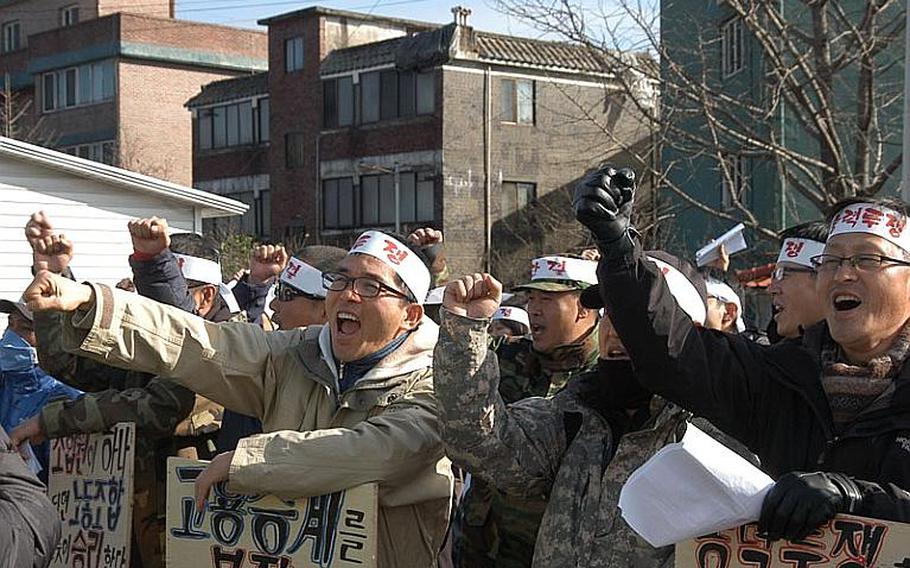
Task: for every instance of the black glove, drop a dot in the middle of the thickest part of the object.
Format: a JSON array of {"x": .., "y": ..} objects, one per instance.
[
  {"x": 801, "y": 502},
  {"x": 603, "y": 204}
]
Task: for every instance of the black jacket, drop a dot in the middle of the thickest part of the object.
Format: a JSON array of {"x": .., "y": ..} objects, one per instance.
[{"x": 768, "y": 397}]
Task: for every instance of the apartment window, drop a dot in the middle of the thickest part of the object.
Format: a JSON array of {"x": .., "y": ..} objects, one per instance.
[
  {"x": 78, "y": 86},
  {"x": 338, "y": 203},
  {"x": 293, "y": 54},
  {"x": 517, "y": 101},
  {"x": 733, "y": 182},
  {"x": 236, "y": 124},
  {"x": 338, "y": 102},
  {"x": 374, "y": 204},
  {"x": 69, "y": 16},
  {"x": 516, "y": 195},
  {"x": 294, "y": 156},
  {"x": 12, "y": 36},
  {"x": 731, "y": 46},
  {"x": 96, "y": 151}
]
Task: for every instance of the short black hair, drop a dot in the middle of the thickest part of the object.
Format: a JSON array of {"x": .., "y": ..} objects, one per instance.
[
  {"x": 889, "y": 202},
  {"x": 192, "y": 244},
  {"x": 812, "y": 231},
  {"x": 321, "y": 257}
]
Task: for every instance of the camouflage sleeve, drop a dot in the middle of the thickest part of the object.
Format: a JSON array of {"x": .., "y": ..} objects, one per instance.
[
  {"x": 156, "y": 409},
  {"x": 517, "y": 448}
]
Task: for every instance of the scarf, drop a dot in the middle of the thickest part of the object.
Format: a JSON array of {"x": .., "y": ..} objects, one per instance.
[
  {"x": 853, "y": 388},
  {"x": 353, "y": 371}
]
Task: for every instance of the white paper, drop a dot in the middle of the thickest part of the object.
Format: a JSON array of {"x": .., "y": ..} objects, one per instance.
[
  {"x": 692, "y": 488},
  {"x": 733, "y": 240}
]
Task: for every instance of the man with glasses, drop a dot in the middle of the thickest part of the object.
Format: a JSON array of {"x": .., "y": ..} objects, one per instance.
[
  {"x": 343, "y": 404},
  {"x": 796, "y": 304},
  {"x": 828, "y": 414},
  {"x": 300, "y": 296}
]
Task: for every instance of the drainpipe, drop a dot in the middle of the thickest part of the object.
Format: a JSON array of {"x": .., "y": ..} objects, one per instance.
[
  {"x": 397, "y": 174},
  {"x": 319, "y": 193},
  {"x": 905, "y": 167},
  {"x": 487, "y": 167}
]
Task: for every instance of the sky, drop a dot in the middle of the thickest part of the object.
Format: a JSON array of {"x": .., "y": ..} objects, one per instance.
[{"x": 244, "y": 13}]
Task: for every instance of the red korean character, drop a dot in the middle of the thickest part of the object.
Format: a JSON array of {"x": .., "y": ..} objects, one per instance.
[
  {"x": 851, "y": 216},
  {"x": 506, "y": 312},
  {"x": 794, "y": 248},
  {"x": 293, "y": 269},
  {"x": 557, "y": 266},
  {"x": 363, "y": 240},
  {"x": 535, "y": 268},
  {"x": 395, "y": 256},
  {"x": 872, "y": 217},
  {"x": 896, "y": 224}
]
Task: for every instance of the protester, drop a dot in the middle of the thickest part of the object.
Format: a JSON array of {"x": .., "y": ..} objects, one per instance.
[
  {"x": 29, "y": 522},
  {"x": 510, "y": 322},
  {"x": 155, "y": 405},
  {"x": 300, "y": 296},
  {"x": 347, "y": 403},
  {"x": 828, "y": 413},
  {"x": 490, "y": 527},
  {"x": 24, "y": 387},
  {"x": 797, "y": 305},
  {"x": 252, "y": 286},
  {"x": 562, "y": 447},
  {"x": 725, "y": 309}
]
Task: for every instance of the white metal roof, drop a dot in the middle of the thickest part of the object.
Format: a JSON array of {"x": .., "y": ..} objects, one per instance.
[{"x": 210, "y": 204}]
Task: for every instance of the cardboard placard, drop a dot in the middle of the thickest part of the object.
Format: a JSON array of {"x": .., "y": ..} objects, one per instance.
[
  {"x": 249, "y": 531},
  {"x": 91, "y": 483},
  {"x": 846, "y": 542}
]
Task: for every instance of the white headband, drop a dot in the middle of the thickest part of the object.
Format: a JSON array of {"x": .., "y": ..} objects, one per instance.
[
  {"x": 304, "y": 277},
  {"x": 564, "y": 268},
  {"x": 874, "y": 220},
  {"x": 683, "y": 290},
  {"x": 199, "y": 269},
  {"x": 800, "y": 251},
  {"x": 512, "y": 313},
  {"x": 399, "y": 258}
]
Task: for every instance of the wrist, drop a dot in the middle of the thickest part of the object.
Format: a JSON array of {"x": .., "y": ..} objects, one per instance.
[{"x": 142, "y": 256}]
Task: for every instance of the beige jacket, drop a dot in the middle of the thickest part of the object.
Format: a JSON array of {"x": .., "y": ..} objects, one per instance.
[{"x": 382, "y": 430}]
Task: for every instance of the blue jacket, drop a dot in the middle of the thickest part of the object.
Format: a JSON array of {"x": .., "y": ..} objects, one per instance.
[{"x": 24, "y": 387}]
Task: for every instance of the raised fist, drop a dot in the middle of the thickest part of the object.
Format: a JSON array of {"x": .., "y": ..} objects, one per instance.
[
  {"x": 603, "y": 203},
  {"x": 150, "y": 236},
  {"x": 475, "y": 296},
  {"x": 267, "y": 262},
  {"x": 426, "y": 237},
  {"x": 50, "y": 291},
  {"x": 50, "y": 251}
]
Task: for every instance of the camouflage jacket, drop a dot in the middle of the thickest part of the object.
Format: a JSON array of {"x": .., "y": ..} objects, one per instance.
[
  {"x": 494, "y": 528},
  {"x": 558, "y": 449}
]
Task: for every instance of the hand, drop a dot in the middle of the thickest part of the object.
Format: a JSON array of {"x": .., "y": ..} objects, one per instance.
[
  {"x": 50, "y": 251},
  {"x": 150, "y": 236},
  {"x": 267, "y": 262},
  {"x": 216, "y": 471},
  {"x": 475, "y": 296},
  {"x": 801, "y": 502},
  {"x": 425, "y": 237},
  {"x": 590, "y": 254},
  {"x": 238, "y": 276},
  {"x": 603, "y": 203},
  {"x": 722, "y": 262},
  {"x": 28, "y": 431},
  {"x": 49, "y": 291}
]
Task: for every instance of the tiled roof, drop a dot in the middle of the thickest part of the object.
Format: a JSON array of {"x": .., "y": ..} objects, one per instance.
[
  {"x": 232, "y": 89},
  {"x": 361, "y": 56},
  {"x": 523, "y": 51}
]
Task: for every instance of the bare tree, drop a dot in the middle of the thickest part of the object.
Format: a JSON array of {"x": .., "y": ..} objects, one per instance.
[
  {"x": 17, "y": 117},
  {"x": 831, "y": 67}
]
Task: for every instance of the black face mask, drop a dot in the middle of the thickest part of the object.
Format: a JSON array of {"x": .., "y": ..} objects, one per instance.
[{"x": 613, "y": 387}]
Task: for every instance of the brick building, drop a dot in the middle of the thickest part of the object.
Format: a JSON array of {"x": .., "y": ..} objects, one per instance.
[
  {"x": 479, "y": 134},
  {"x": 108, "y": 80}
]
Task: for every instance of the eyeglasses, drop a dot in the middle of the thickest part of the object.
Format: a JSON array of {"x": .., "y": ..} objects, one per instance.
[
  {"x": 364, "y": 286},
  {"x": 781, "y": 272},
  {"x": 862, "y": 262},
  {"x": 287, "y": 293}
]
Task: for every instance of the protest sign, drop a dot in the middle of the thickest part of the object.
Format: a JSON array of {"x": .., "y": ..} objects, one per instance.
[
  {"x": 250, "y": 531},
  {"x": 845, "y": 542},
  {"x": 91, "y": 484}
]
